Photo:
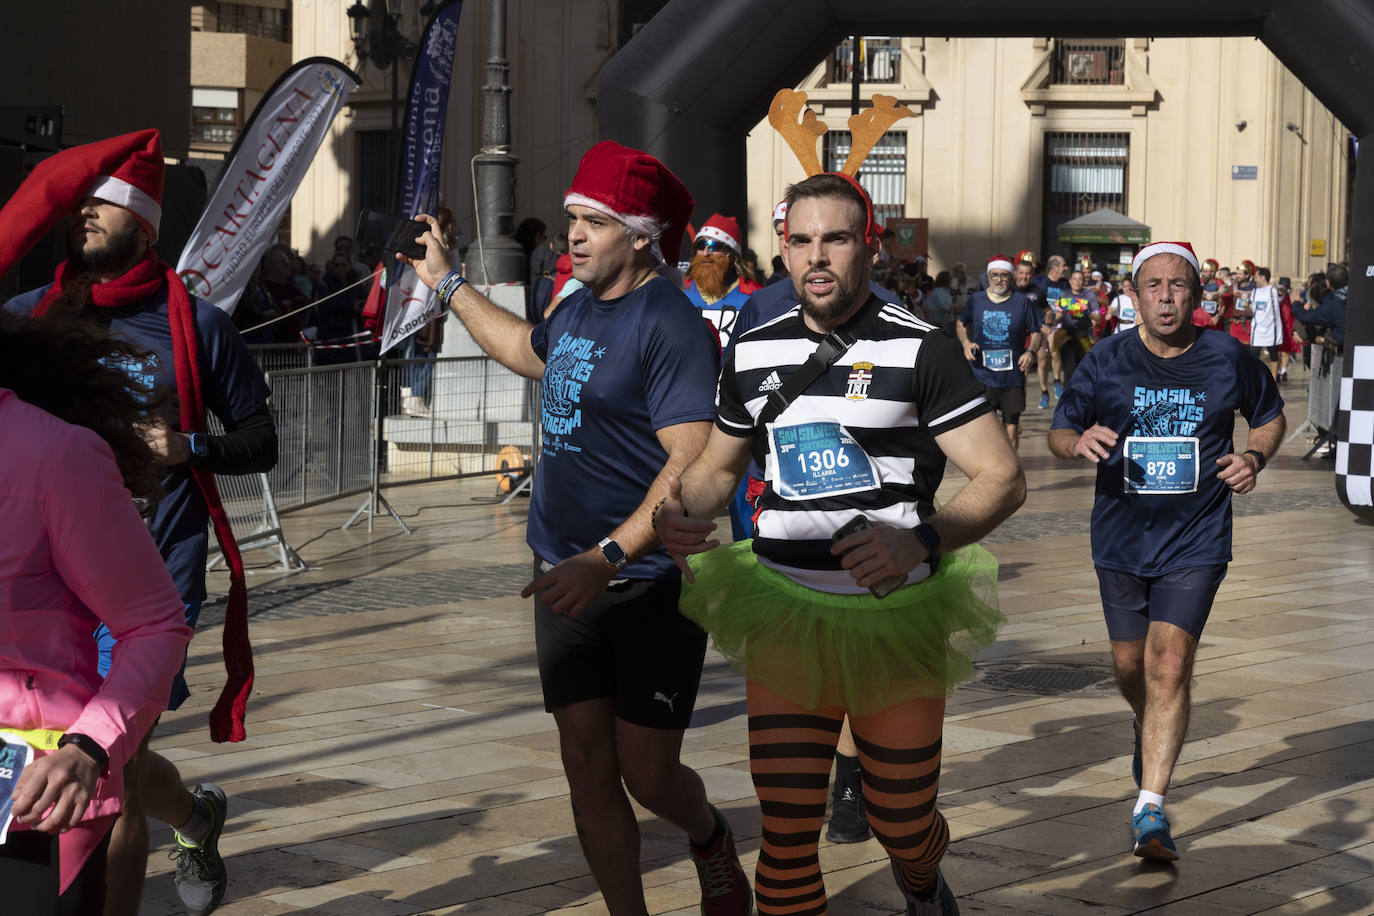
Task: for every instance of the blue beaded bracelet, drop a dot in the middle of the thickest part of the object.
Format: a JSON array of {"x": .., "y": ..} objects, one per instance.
[{"x": 449, "y": 285}]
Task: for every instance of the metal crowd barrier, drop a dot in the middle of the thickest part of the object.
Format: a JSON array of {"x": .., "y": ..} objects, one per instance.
[
  {"x": 1323, "y": 398},
  {"x": 325, "y": 441},
  {"x": 452, "y": 418},
  {"x": 275, "y": 357},
  {"x": 355, "y": 428}
]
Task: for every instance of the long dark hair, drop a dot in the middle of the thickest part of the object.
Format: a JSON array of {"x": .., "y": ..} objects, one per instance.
[{"x": 72, "y": 369}]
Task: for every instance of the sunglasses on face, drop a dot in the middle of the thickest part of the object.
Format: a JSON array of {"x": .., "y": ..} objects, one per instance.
[{"x": 710, "y": 245}]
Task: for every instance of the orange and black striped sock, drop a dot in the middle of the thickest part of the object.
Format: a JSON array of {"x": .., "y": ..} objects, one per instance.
[{"x": 790, "y": 750}]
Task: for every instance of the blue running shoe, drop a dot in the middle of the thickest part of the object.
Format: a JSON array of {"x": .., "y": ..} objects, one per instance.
[
  {"x": 1137, "y": 768},
  {"x": 1058, "y": 389},
  {"x": 1151, "y": 831},
  {"x": 1044, "y": 401}
]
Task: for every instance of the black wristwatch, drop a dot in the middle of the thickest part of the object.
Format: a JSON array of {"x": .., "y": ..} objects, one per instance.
[
  {"x": 614, "y": 554},
  {"x": 929, "y": 538},
  {"x": 1259, "y": 458},
  {"x": 200, "y": 449},
  {"x": 88, "y": 747}
]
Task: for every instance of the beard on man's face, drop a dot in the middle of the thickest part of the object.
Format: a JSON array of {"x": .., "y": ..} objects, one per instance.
[
  {"x": 839, "y": 302},
  {"x": 107, "y": 251},
  {"x": 711, "y": 274}
]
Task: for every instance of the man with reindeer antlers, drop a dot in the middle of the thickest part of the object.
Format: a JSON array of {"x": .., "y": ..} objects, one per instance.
[{"x": 853, "y": 406}]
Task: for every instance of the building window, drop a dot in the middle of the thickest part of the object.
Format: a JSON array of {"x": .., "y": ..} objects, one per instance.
[
  {"x": 883, "y": 174},
  {"x": 1083, "y": 172},
  {"x": 216, "y": 116},
  {"x": 251, "y": 19},
  {"x": 1087, "y": 62},
  {"x": 880, "y": 61},
  {"x": 374, "y": 174}
]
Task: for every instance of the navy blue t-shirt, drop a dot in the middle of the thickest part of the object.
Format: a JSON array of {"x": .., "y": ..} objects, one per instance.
[
  {"x": 1122, "y": 385},
  {"x": 999, "y": 329},
  {"x": 615, "y": 372},
  {"x": 233, "y": 387}
]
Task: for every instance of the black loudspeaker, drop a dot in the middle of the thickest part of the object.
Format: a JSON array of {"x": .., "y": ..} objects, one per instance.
[{"x": 183, "y": 200}]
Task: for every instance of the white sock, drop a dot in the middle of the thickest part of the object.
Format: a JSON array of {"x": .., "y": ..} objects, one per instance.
[
  {"x": 1148, "y": 798},
  {"x": 197, "y": 826}
]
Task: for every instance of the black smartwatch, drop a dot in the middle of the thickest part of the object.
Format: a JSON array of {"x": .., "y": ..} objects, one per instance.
[
  {"x": 929, "y": 538},
  {"x": 1259, "y": 458},
  {"x": 200, "y": 449},
  {"x": 614, "y": 554},
  {"x": 88, "y": 747}
]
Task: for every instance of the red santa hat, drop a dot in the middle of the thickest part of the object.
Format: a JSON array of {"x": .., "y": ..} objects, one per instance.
[
  {"x": 634, "y": 188},
  {"x": 124, "y": 170},
  {"x": 1182, "y": 249},
  {"x": 1000, "y": 262},
  {"x": 723, "y": 229}
]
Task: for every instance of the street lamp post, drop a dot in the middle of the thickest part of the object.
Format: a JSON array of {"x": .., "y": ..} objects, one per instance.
[{"x": 496, "y": 257}]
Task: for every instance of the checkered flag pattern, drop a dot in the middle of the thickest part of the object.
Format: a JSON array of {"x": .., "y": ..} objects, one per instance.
[{"x": 1355, "y": 430}]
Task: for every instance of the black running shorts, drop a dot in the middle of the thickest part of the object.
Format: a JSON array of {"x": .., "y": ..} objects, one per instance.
[
  {"x": 1010, "y": 402},
  {"x": 632, "y": 645}
]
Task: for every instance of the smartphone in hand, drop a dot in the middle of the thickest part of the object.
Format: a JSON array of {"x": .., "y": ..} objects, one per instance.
[
  {"x": 391, "y": 234},
  {"x": 861, "y": 523}
]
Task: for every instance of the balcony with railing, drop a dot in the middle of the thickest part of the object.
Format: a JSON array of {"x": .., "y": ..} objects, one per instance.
[
  {"x": 1090, "y": 62},
  {"x": 880, "y": 61}
]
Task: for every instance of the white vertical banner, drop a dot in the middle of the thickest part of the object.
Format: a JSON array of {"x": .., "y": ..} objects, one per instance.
[
  {"x": 410, "y": 305},
  {"x": 271, "y": 156}
]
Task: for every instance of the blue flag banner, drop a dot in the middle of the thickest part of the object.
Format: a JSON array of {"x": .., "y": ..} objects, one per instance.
[{"x": 410, "y": 304}]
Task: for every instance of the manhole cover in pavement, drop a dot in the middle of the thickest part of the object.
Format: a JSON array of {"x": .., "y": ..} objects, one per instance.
[{"x": 1046, "y": 680}]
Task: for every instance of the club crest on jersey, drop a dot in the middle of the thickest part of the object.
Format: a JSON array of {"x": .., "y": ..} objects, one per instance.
[{"x": 860, "y": 377}]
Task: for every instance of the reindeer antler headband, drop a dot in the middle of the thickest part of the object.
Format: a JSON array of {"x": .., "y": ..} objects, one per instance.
[{"x": 799, "y": 126}]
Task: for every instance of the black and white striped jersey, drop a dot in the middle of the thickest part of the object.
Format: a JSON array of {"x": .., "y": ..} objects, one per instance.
[{"x": 859, "y": 440}]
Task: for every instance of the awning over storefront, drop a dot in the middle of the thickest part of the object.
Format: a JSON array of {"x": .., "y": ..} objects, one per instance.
[{"x": 1104, "y": 227}]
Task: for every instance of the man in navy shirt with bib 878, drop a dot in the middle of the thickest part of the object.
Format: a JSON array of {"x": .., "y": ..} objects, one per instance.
[
  {"x": 1155, "y": 410},
  {"x": 628, "y": 372}
]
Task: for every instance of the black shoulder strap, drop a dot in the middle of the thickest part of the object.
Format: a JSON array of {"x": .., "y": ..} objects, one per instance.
[{"x": 826, "y": 354}]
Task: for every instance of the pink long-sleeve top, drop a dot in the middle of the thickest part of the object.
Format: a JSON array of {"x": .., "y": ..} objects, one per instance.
[{"x": 73, "y": 553}]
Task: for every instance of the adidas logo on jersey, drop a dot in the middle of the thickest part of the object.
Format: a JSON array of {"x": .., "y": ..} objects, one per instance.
[{"x": 772, "y": 383}]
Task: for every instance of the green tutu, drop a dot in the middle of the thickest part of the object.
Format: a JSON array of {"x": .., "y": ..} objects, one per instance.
[{"x": 857, "y": 652}]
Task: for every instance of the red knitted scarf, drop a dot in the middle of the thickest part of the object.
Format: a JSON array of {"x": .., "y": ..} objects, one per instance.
[{"x": 141, "y": 282}]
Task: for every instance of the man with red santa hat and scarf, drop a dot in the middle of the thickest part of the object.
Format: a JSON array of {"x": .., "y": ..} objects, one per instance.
[
  {"x": 717, "y": 282},
  {"x": 110, "y": 192}
]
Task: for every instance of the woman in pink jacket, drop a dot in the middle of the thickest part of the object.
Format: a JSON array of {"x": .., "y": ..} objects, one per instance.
[{"x": 73, "y": 553}]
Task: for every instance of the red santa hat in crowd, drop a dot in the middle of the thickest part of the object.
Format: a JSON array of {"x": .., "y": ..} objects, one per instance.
[
  {"x": 724, "y": 229},
  {"x": 1182, "y": 249},
  {"x": 634, "y": 188},
  {"x": 124, "y": 170},
  {"x": 1000, "y": 262}
]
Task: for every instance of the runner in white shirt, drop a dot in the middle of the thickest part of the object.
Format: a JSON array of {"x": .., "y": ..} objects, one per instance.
[
  {"x": 1266, "y": 327},
  {"x": 1122, "y": 308}
]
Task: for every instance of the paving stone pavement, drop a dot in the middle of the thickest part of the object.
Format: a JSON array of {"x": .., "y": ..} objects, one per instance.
[{"x": 399, "y": 760}]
